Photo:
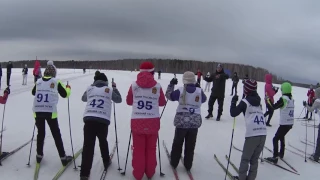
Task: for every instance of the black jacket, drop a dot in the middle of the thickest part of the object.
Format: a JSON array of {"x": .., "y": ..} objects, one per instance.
[
  {"x": 235, "y": 79},
  {"x": 219, "y": 83},
  {"x": 254, "y": 100},
  {"x": 9, "y": 67}
]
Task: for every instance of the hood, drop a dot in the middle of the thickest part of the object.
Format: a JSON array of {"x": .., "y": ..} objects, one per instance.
[
  {"x": 146, "y": 80},
  {"x": 99, "y": 83},
  {"x": 286, "y": 88},
  {"x": 253, "y": 98},
  {"x": 268, "y": 78},
  {"x": 317, "y": 93}
]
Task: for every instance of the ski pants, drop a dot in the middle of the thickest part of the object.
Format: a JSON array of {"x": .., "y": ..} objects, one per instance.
[
  {"x": 280, "y": 136},
  {"x": 8, "y": 79},
  {"x": 309, "y": 104},
  {"x": 199, "y": 80},
  {"x": 144, "y": 159},
  {"x": 189, "y": 137},
  {"x": 234, "y": 86},
  {"x": 91, "y": 130},
  {"x": 211, "y": 102},
  {"x": 317, "y": 152},
  {"x": 269, "y": 112},
  {"x": 55, "y": 131},
  {"x": 252, "y": 149},
  {"x": 24, "y": 79},
  {"x": 207, "y": 87}
]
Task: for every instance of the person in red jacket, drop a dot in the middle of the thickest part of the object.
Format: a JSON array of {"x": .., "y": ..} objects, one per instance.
[
  {"x": 270, "y": 91},
  {"x": 145, "y": 96},
  {"x": 199, "y": 75},
  {"x": 311, "y": 96}
]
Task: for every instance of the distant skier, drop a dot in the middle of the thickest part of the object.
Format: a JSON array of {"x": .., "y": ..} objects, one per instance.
[
  {"x": 36, "y": 71},
  {"x": 286, "y": 103},
  {"x": 84, "y": 70},
  {"x": 311, "y": 96},
  {"x": 187, "y": 119},
  {"x": 145, "y": 96},
  {"x": 199, "y": 75},
  {"x": 235, "y": 80},
  {"x": 97, "y": 118},
  {"x": 270, "y": 91},
  {"x": 46, "y": 98},
  {"x": 208, "y": 84},
  {"x": 9, "y": 69},
  {"x": 246, "y": 77},
  {"x": 256, "y": 130},
  {"x": 0, "y": 75},
  {"x": 24, "y": 75},
  {"x": 159, "y": 74},
  {"x": 315, "y": 107}
]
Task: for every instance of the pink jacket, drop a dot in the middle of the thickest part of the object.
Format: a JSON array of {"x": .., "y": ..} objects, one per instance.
[
  {"x": 268, "y": 88},
  {"x": 145, "y": 80}
]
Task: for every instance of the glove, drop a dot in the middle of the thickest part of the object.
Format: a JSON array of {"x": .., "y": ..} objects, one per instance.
[
  {"x": 304, "y": 103},
  {"x": 235, "y": 99},
  {"x": 7, "y": 90},
  {"x": 68, "y": 86},
  {"x": 198, "y": 85},
  {"x": 316, "y": 111},
  {"x": 114, "y": 84},
  {"x": 275, "y": 89},
  {"x": 174, "y": 81}
]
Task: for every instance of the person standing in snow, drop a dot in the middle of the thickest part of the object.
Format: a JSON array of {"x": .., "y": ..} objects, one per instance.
[
  {"x": 235, "y": 80},
  {"x": 9, "y": 69},
  {"x": 145, "y": 96},
  {"x": 159, "y": 74},
  {"x": 187, "y": 119},
  {"x": 0, "y": 75},
  {"x": 97, "y": 118},
  {"x": 246, "y": 77},
  {"x": 311, "y": 96},
  {"x": 256, "y": 131},
  {"x": 218, "y": 90},
  {"x": 270, "y": 91},
  {"x": 199, "y": 75},
  {"x": 24, "y": 75},
  {"x": 208, "y": 84},
  {"x": 315, "y": 107},
  {"x": 286, "y": 105},
  {"x": 46, "y": 95}
]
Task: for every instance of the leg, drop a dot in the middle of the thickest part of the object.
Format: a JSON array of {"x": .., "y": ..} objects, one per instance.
[
  {"x": 138, "y": 157},
  {"x": 151, "y": 154},
  {"x": 177, "y": 144},
  {"x": 102, "y": 133},
  {"x": 89, "y": 140},
  {"x": 220, "y": 107},
  {"x": 282, "y": 140},
  {"x": 254, "y": 162},
  {"x": 41, "y": 126},
  {"x": 8, "y": 79},
  {"x": 317, "y": 152},
  {"x": 270, "y": 113},
  {"x": 55, "y": 131},
  {"x": 248, "y": 150},
  {"x": 279, "y": 134},
  {"x": 190, "y": 144},
  {"x": 236, "y": 87},
  {"x": 212, "y": 99},
  {"x": 232, "y": 89}
]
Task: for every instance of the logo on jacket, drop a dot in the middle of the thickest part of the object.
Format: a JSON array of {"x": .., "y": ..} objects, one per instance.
[
  {"x": 107, "y": 90},
  {"x": 52, "y": 85},
  {"x": 154, "y": 90},
  {"x": 197, "y": 99}
]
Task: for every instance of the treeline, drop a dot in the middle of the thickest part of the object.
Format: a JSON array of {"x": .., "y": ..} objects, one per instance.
[{"x": 165, "y": 65}]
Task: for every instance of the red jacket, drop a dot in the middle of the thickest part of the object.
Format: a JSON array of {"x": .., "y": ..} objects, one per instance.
[
  {"x": 199, "y": 75},
  {"x": 310, "y": 95},
  {"x": 145, "y": 80},
  {"x": 3, "y": 99},
  {"x": 36, "y": 68}
]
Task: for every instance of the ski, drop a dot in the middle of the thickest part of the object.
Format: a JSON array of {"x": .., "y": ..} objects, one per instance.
[
  {"x": 298, "y": 149},
  {"x": 63, "y": 168},
  {"x": 298, "y": 154},
  {"x": 304, "y": 142},
  {"x": 224, "y": 168},
  {"x": 36, "y": 171},
  {"x": 168, "y": 155},
  {"x": 233, "y": 165},
  {"x": 104, "y": 173},
  {"x": 281, "y": 167},
  {"x": 188, "y": 172},
  {"x": 313, "y": 160},
  {"x": 5, "y": 155},
  {"x": 282, "y": 159}
]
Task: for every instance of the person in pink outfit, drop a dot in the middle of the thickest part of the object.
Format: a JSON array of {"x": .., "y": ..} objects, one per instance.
[
  {"x": 270, "y": 91},
  {"x": 145, "y": 96}
]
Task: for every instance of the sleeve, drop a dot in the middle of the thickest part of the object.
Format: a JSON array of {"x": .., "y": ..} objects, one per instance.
[
  {"x": 279, "y": 104},
  {"x": 84, "y": 97},
  {"x": 63, "y": 91},
  {"x": 204, "y": 97},
  {"x": 270, "y": 91},
  {"x": 236, "y": 110},
  {"x": 3, "y": 99},
  {"x": 130, "y": 97},
  {"x": 116, "y": 96},
  {"x": 315, "y": 105},
  {"x": 308, "y": 93},
  {"x": 33, "y": 92},
  {"x": 171, "y": 94},
  {"x": 162, "y": 99},
  {"x": 225, "y": 76}
]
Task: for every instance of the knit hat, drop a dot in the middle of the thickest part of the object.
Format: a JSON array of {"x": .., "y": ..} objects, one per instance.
[
  {"x": 147, "y": 67},
  {"x": 188, "y": 78},
  {"x": 96, "y": 74},
  {"x": 219, "y": 66},
  {"x": 249, "y": 86},
  {"x": 317, "y": 93},
  {"x": 50, "y": 62},
  {"x": 50, "y": 71},
  {"x": 101, "y": 76},
  {"x": 286, "y": 88}
]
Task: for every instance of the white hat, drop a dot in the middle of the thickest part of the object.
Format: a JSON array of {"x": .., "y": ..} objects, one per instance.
[{"x": 188, "y": 78}]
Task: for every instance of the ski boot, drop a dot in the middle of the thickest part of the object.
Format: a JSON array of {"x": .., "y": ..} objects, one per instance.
[
  {"x": 4, "y": 154},
  {"x": 310, "y": 118},
  {"x": 66, "y": 159},
  {"x": 236, "y": 177},
  {"x": 84, "y": 178},
  {"x": 209, "y": 116},
  {"x": 272, "y": 159},
  {"x": 39, "y": 158},
  {"x": 312, "y": 158},
  {"x": 218, "y": 118},
  {"x": 106, "y": 164}
]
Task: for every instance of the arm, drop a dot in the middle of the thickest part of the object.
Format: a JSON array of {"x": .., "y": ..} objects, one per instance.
[
  {"x": 269, "y": 91},
  {"x": 204, "y": 97},
  {"x": 63, "y": 91},
  {"x": 224, "y": 76},
  {"x": 236, "y": 110},
  {"x": 162, "y": 99},
  {"x": 33, "y": 92},
  {"x": 308, "y": 93},
  {"x": 280, "y": 103},
  {"x": 116, "y": 96},
  {"x": 210, "y": 79},
  {"x": 3, "y": 99},
  {"x": 171, "y": 94},
  {"x": 130, "y": 97},
  {"x": 84, "y": 97},
  {"x": 315, "y": 105}
]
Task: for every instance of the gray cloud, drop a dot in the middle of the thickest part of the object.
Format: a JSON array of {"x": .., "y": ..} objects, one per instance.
[{"x": 282, "y": 36}]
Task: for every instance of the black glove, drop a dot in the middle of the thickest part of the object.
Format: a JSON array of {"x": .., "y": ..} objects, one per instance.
[
  {"x": 7, "y": 90},
  {"x": 198, "y": 85},
  {"x": 235, "y": 99},
  {"x": 275, "y": 89},
  {"x": 174, "y": 81},
  {"x": 304, "y": 103}
]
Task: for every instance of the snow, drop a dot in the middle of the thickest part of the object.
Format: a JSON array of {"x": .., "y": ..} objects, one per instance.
[{"x": 213, "y": 137}]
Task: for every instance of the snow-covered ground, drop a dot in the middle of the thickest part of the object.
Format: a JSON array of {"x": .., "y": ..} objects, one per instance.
[{"x": 213, "y": 138}]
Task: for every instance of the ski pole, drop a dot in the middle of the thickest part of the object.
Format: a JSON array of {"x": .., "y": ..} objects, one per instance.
[
  {"x": 314, "y": 133},
  {"x": 34, "y": 127},
  {"x": 305, "y": 151},
  {"x": 261, "y": 160},
  {"x": 234, "y": 124},
  {"x": 125, "y": 167},
  {"x": 1, "y": 138},
  {"x": 115, "y": 129},
  {"x": 74, "y": 162},
  {"x": 161, "y": 173}
]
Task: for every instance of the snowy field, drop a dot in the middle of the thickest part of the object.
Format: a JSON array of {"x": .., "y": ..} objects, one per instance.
[{"x": 213, "y": 137}]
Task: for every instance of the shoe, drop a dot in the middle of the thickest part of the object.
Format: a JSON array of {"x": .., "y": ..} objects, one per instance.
[
  {"x": 84, "y": 178},
  {"x": 305, "y": 117},
  {"x": 3, "y": 154},
  {"x": 106, "y": 164},
  {"x": 281, "y": 155},
  {"x": 312, "y": 158},
  {"x": 66, "y": 159},
  {"x": 39, "y": 158},
  {"x": 268, "y": 125},
  {"x": 310, "y": 119},
  {"x": 235, "y": 177},
  {"x": 272, "y": 159},
  {"x": 218, "y": 118},
  {"x": 209, "y": 116}
]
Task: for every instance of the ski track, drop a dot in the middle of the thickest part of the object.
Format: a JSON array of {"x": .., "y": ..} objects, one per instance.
[{"x": 213, "y": 137}]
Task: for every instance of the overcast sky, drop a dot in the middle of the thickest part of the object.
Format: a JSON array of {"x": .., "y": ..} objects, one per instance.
[{"x": 282, "y": 36}]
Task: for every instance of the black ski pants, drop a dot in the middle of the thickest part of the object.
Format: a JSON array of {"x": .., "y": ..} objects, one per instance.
[
  {"x": 309, "y": 104},
  {"x": 235, "y": 87},
  {"x": 55, "y": 131},
  {"x": 189, "y": 137},
  {"x": 211, "y": 102},
  {"x": 8, "y": 78},
  {"x": 269, "y": 112},
  {"x": 280, "y": 136},
  {"x": 91, "y": 130}
]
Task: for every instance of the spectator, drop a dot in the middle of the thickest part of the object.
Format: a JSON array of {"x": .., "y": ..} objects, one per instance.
[
  {"x": 311, "y": 96},
  {"x": 0, "y": 75},
  {"x": 208, "y": 84},
  {"x": 24, "y": 74},
  {"x": 199, "y": 75},
  {"x": 270, "y": 91},
  {"x": 235, "y": 80},
  {"x": 243, "y": 81},
  {"x": 9, "y": 69},
  {"x": 159, "y": 74}
]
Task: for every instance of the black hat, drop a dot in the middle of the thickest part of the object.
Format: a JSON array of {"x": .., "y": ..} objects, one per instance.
[{"x": 101, "y": 76}]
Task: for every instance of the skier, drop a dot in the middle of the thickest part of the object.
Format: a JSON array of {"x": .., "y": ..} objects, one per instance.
[
  {"x": 84, "y": 70},
  {"x": 97, "y": 117},
  {"x": 208, "y": 84},
  {"x": 286, "y": 103},
  {"x": 188, "y": 118},
  {"x": 270, "y": 91},
  {"x": 311, "y": 96},
  {"x": 9, "y": 69},
  {"x": 256, "y": 130},
  {"x": 159, "y": 74},
  {"x": 51, "y": 63},
  {"x": 218, "y": 90},
  {"x": 246, "y": 77},
  {"x": 24, "y": 74},
  {"x": 235, "y": 80},
  {"x": 0, "y": 75},
  {"x": 46, "y": 98},
  {"x": 145, "y": 96},
  {"x": 315, "y": 107},
  {"x": 199, "y": 75}
]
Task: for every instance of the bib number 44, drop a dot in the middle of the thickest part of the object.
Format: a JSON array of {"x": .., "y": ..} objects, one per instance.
[{"x": 258, "y": 120}]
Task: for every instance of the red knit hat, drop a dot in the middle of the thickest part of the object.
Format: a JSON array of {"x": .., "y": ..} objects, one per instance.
[
  {"x": 249, "y": 86},
  {"x": 146, "y": 67}
]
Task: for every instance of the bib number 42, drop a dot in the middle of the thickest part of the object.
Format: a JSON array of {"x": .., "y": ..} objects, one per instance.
[{"x": 97, "y": 103}]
